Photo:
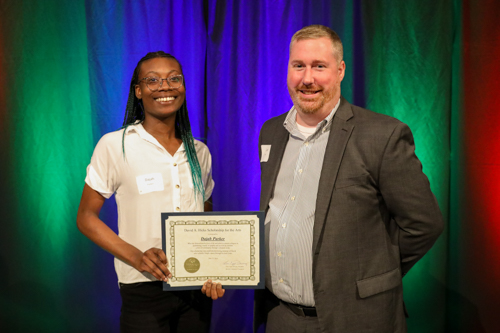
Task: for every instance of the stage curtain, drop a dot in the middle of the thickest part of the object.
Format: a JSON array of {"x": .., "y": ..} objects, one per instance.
[{"x": 65, "y": 70}]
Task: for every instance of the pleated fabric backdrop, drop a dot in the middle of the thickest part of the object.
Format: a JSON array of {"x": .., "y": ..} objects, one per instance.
[{"x": 65, "y": 68}]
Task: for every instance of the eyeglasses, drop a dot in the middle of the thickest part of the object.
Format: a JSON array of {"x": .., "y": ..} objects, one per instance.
[{"x": 154, "y": 82}]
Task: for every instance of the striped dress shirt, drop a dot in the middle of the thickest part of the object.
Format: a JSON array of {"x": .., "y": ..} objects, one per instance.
[{"x": 291, "y": 212}]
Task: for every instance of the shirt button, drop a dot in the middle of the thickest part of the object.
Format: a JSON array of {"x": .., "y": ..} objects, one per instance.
[
  {"x": 175, "y": 164},
  {"x": 177, "y": 186},
  {"x": 323, "y": 131},
  {"x": 292, "y": 198},
  {"x": 279, "y": 254},
  {"x": 284, "y": 225},
  {"x": 306, "y": 144},
  {"x": 281, "y": 280},
  {"x": 177, "y": 208},
  {"x": 300, "y": 170}
]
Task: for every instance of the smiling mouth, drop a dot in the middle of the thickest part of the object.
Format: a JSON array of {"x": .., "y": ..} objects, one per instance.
[
  {"x": 165, "y": 99},
  {"x": 309, "y": 92}
]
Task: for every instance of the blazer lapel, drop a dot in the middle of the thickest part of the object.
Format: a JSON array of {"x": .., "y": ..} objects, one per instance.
[
  {"x": 340, "y": 133},
  {"x": 270, "y": 172}
]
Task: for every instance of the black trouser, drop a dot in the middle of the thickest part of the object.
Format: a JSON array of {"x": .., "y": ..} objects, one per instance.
[
  {"x": 282, "y": 318},
  {"x": 147, "y": 308}
]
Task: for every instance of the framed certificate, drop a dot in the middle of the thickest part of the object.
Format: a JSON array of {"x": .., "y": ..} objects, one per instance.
[{"x": 225, "y": 247}]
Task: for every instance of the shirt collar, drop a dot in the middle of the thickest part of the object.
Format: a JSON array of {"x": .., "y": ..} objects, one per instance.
[
  {"x": 290, "y": 122},
  {"x": 143, "y": 134}
]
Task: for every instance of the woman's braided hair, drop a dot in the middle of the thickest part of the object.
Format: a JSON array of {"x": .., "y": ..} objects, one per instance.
[{"x": 134, "y": 112}]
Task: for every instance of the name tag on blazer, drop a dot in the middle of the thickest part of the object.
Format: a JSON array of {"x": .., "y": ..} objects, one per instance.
[{"x": 265, "y": 150}]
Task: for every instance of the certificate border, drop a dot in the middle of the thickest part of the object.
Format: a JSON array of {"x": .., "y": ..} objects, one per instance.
[
  {"x": 260, "y": 215},
  {"x": 220, "y": 222}
]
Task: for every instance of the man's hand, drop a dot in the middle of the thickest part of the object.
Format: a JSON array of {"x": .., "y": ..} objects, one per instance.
[
  {"x": 213, "y": 290},
  {"x": 154, "y": 261}
]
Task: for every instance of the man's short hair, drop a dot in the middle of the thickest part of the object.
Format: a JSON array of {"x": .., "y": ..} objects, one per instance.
[{"x": 319, "y": 31}]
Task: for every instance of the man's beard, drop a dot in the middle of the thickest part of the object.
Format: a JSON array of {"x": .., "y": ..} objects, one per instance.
[{"x": 311, "y": 106}]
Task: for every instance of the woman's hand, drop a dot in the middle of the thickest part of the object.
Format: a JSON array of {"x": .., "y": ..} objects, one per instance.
[{"x": 154, "y": 261}]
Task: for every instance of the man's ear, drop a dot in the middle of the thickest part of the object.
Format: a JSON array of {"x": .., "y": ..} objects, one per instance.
[
  {"x": 342, "y": 70},
  {"x": 138, "y": 91}
]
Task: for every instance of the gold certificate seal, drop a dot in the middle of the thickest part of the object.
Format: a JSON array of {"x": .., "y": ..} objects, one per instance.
[{"x": 192, "y": 265}]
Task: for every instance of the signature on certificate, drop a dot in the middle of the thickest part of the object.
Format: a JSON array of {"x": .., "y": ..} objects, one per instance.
[{"x": 235, "y": 263}]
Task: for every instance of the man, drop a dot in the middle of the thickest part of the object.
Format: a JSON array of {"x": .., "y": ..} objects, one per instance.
[{"x": 348, "y": 209}]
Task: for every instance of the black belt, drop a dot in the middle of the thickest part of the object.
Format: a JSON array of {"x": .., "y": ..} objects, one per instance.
[{"x": 302, "y": 311}]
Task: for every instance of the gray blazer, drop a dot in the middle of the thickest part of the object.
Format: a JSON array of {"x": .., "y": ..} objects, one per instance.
[{"x": 375, "y": 218}]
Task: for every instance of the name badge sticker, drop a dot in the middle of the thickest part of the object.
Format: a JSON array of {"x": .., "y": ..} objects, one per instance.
[
  {"x": 152, "y": 182},
  {"x": 265, "y": 151}
]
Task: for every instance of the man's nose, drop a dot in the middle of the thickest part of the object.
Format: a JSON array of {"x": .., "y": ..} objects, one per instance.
[{"x": 308, "y": 77}]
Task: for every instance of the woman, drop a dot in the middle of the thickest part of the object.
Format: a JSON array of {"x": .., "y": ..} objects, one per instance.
[{"x": 152, "y": 165}]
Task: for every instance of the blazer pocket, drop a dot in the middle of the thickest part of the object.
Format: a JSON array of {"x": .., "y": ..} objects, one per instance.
[
  {"x": 379, "y": 283},
  {"x": 351, "y": 181}
]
